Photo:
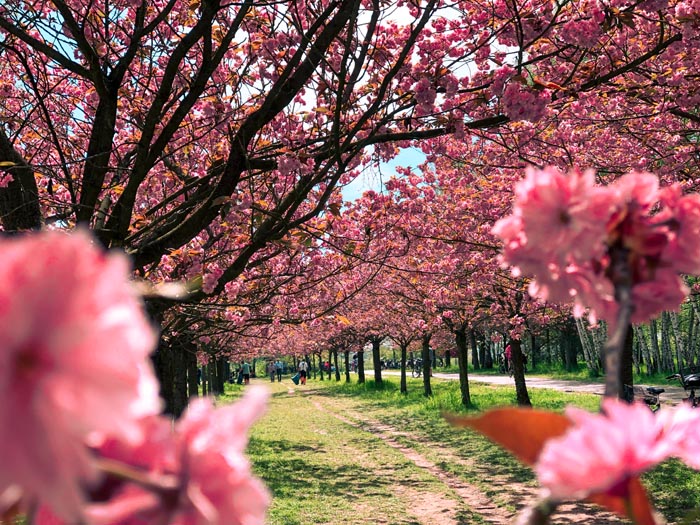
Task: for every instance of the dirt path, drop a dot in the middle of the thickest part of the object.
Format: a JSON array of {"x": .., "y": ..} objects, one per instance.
[{"x": 431, "y": 508}]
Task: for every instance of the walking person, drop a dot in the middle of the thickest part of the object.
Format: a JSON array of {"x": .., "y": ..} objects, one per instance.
[
  {"x": 246, "y": 372},
  {"x": 278, "y": 368},
  {"x": 271, "y": 371},
  {"x": 303, "y": 369}
]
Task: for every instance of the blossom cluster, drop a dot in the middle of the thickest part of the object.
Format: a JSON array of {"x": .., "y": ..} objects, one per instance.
[
  {"x": 566, "y": 231},
  {"x": 600, "y": 452},
  {"x": 80, "y": 434}
]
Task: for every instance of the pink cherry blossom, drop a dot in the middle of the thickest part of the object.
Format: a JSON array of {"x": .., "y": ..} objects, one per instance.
[
  {"x": 221, "y": 488},
  {"x": 561, "y": 213},
  {"x": 602, "y": 450},
  {"x": 73, "y": 363},
  {"x": 567, "y": 232},
  {"x": 204, "y": 475}
]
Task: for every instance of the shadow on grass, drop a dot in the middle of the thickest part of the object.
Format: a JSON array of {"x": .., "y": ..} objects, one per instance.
[
  {"x": 678, "y": 491},
  {"x": 285, "y": 466}
]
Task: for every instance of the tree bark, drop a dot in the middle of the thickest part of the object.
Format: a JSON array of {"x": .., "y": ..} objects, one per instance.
[
  {"x": 425, "y": 352},
  {"x": 377, "y": 360},
  {"x": 347, "y": 366},
  {"x": 462, "y": 356},
  {"x": 179, "y": 371},
  {"x": 404, "y": 350},
  {"x": 191, "y": 363},
  {"x": 519, "y": 374},
  {"x": 163, "y": 365},
  {"x": 654, "y": 340},
  {"x": 361, "y": 366},
  {"x": 626, "y": 361}
]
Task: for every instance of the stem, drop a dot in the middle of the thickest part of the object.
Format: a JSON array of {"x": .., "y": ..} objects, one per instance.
[
  {"x": 160, "y": 484},
  {"x": 539, "y": 514},
  {"x": 621, "y": 277}
]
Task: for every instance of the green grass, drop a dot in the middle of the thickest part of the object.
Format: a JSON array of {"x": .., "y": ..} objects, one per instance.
[
  {"x": 673, "y": 487},
  {"x": 293, "y": 451},
  {"x": 321, "y": 470}
]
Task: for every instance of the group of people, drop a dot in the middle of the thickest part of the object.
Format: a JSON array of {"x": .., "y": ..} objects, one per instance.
[{"x": 274, "y": 370}]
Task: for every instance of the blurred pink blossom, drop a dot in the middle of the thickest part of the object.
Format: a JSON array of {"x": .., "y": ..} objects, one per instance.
[
  {"x": 564, "y": 231},
  {"x": 194, "y": 474},
  {"x": 602, "y": 450},
  {"x": 73, "y": 363}
]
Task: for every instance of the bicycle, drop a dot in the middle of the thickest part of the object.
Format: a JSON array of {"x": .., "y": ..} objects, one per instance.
[
  {"x": 649, "y": 395},
  {"x": 417, "y": 369},
  {"x": 689, "y": 378}
]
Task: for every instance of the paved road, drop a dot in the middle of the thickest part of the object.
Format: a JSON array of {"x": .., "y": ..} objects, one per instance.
[{"x": 672, "y": 395}]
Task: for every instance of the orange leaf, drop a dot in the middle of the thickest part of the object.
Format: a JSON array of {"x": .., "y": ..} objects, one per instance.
[
  {"x": 634, "y": 505},
  {"x": 521, "y": 431}
]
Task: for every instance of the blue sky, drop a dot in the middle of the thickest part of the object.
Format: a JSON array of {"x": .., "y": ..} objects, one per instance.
[{"x": 374, "y": 179}]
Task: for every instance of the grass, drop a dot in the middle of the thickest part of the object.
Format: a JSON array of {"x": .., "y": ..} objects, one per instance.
[
  {"x": 293, "y": 451},
  {"x": 673, "y": 487},
  {"x": 321, "y": 470}
]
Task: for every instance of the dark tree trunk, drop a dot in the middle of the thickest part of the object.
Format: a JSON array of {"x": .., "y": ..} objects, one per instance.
[
  {"x": 425, "y": 354},
  {"x": 330, "y": 361},
  {"x": 475, "y": 353},
  {"x": 487, "y": 361},
  {"x": 347, "y": 366},
  {"x": 533, "y": 351},
  {"x": 626, "y": 361},
  {"x": 205, "y": 380},
  {"x": 377, "y": 360},
  {"x": 462, "y": 356},
  {"x": 404, "y": 349},
  {"x": 519, "y": 374},
  {"x": 179, "y": 384},
  {"x": 163, "y": 364},
  {"x": 220, "y": 374},
  {"x": 192, "y": 370},
  {"x": 19, "y": 200},
  {"x": 447, "y": 359},
  {"x": 361, "y": 366}
]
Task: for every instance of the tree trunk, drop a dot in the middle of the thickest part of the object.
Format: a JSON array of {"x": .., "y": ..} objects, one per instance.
[
  {"x": 644, "y": 348},
  {"x": 590, "y": 353},
  {"x": 681, "y": 353},
  {"x": 361, "y": 366},
  {"x": 425, "y": 353},
  {"x": 487, "y": 361},
  {"x": 335, "y": 362},
  {"x": 163, "y": 365},
  {"x": 377, "y": 360},
  {"x": 666, "y": 353},
  {"x": 192, "y": 370},
  {"x": 179, "y": 384},
  {"x": 626, "y": 364},
  {"x": 655, "y": 350},
  {"x": 447, "y": 359},
  {"x": 404, "y": 350},
  {"x": 475, "y": 356},
  {"x": 347, "y": 366},
  {"x": 463, "y": 356},
  {"x": 519, "y": 374},
  {"x": 221, "y": 375},
  {"x": 534, "y": 358}
]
